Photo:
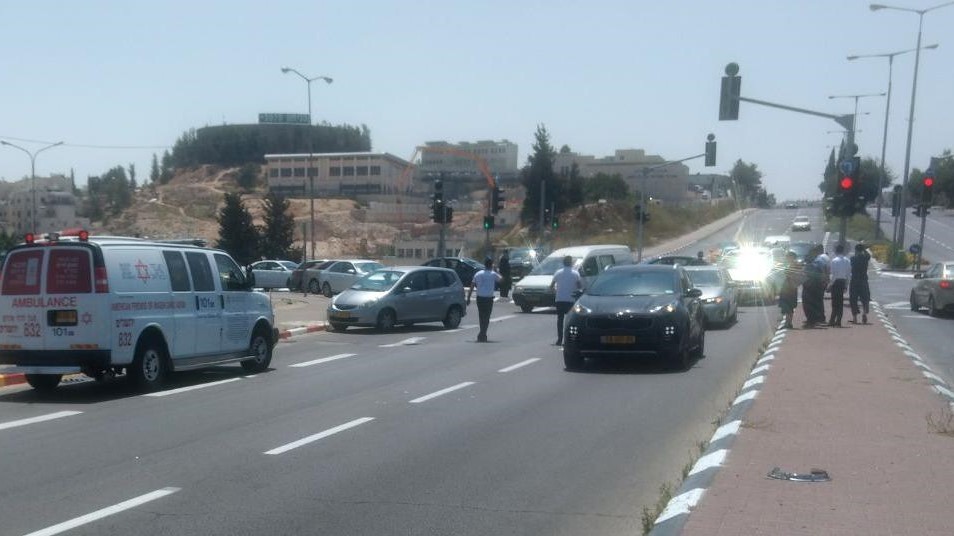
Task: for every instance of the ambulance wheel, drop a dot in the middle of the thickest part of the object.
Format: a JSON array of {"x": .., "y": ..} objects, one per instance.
[
  {"x": 43, "y": 382},
  {"x": 150, "y": 366},
  {"x": 261, "y": 352}
]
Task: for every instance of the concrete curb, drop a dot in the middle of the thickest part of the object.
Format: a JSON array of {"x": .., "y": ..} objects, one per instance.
[{"x": 20, "y": 378}]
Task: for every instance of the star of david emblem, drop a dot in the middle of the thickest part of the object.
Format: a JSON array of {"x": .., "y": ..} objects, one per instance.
[
  {"x": 142, "y": 271},
  {"x": 87, "y": 318}
]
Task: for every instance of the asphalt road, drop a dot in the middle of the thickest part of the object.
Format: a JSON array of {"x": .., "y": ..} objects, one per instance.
[
  {"x": 417, "y": 431},
  {"x": 932, "y": 338}
]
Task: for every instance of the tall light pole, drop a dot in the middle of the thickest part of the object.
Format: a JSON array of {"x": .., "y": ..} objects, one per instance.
[
  {"x": 32, "y": 170},
  {"x": 914, "y": 93},
  {"x": 311, "y": 175},
  {"x": 854, "y": 130},
  {"x": 884, "y": 138}
]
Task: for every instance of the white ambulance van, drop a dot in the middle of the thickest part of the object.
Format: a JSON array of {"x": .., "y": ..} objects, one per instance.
[{"x": 101, "y": 305}]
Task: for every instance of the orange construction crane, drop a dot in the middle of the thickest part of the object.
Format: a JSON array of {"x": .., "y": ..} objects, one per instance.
[{"x": 481, "y": 163}]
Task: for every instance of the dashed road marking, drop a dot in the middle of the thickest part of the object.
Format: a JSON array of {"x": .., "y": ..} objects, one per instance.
[
  {"x": 320, "y": 435},
  {"x": 40, "y": 418},
  {"x": 436, "y": 394},
  {"x": 519, "y": 365},
  {"x": 406, "y": 342},
  {"x": 322, "y": 360},
  {"x": 105, "y": 512},
  {"x": 190, "y": 388}
]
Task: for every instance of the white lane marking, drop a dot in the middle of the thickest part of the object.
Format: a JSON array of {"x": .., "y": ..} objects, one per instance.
[
  {"x": 726, "y": 430},
  {"x": 520, "y": 364},
  {"x": 944, "y": 391},
  {"x": 913, "y": 355},
  {"x": 680, "y": 504},
  {"x": 191, "y": 388},
  {"x": 105, "y": 512},
  {"x": 469, "y": 326},
  {"x": 748, "y": 395},
  {"x": 320, "y": 435},
  {"x": 456, "y": 330},
  {"x": 758, "y": 380},
  {"x": 322, "y": 360},
  {"x": 436, "y": 394},
  {"x": 713, "y": 459},
  {"x": 919, "y": 317},
  {"x": 500, "y": 318},
  {"x": 922, "y": 364},
  {"x": 897, "y": 305},
  {"x": 763, "y": 365},
  {"x": 406, "y": 342},
  {"x": 933, "y": 376},
  {"x": 41, "y": 418}
]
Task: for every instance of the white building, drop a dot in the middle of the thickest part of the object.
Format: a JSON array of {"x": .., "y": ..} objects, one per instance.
[
  {"x": 55, "y": 202},
  {"x": 338, "y": 174}
]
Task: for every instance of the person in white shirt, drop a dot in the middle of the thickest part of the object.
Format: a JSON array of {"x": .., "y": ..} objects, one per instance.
[
  {"x": 484, "y": 281},
  {"x": 840, "y": 274},
  {"x": 566, "y": 281}
]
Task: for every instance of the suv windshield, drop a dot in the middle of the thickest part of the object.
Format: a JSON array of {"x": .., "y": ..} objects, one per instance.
[
  {"x": 705, "y": 278},
  {"x": 633, "y": 283}
]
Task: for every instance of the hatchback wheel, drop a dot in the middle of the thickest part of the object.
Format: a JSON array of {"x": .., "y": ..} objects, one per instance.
[
  {"x": 700, "y": 351},
  {"x": 386, "y": 320},
  {"x": 572, "y": 359},
  {"x": 326, "y": 290},
  {"x": 314, "y": 287},
  {"x": 932, "y": 309},
  {"x": 452, "y": 319}
]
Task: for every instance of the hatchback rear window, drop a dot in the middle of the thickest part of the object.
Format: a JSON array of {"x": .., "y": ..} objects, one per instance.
[
  {"x": 69, "y": 272},
  {"x": 22, "y": 271}
]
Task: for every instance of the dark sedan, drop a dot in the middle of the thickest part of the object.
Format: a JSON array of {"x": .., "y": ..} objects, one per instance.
[
  {"x": 637, "y": 310},
  {"x": 465, "y": 267}
]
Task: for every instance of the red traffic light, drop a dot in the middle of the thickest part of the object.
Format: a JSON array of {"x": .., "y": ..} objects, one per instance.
[
  {"x": 846, "y": 183},
  {"x": 928, "y": 182}
]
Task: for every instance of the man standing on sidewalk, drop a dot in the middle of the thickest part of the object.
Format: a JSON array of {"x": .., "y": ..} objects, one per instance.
[
  {"x": 484, "y": 281},
  {"x": 858, "y": 286},
  {"x": 813, "y": 289},
  {"x": 566, "y": 281},
  {"x": 840, "y": 273}
]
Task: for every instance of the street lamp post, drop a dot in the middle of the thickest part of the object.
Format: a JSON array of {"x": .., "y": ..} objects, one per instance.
[
  {"x": 32, "y": 171},
  {"x": 914, "y": 92},
  {"x": 884, "y": 138},
  {"x": 311, "y": 176}
]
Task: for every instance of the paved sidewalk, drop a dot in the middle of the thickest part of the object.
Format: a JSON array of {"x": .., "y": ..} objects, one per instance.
[{"x": 857, "y": 402}]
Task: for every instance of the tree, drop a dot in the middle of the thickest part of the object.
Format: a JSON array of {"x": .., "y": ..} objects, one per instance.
[
  {"x": 603, "y": 186},
  {"x": 576, "y": 186},
  {"x": 748, "y": 179},
  {"x": 537, "y": 173},
  {"x": 154, "y": 173},
  {"x": 166, "y": 171},
  {"x": 870, "y": 178},
  {"x": 132, "y": 177},
  {"x": 7, "y": 241},
  {"x": 248, "y": 176},
  {"x": 237, "y": 235},
  {"x": 279, "y": 230}
]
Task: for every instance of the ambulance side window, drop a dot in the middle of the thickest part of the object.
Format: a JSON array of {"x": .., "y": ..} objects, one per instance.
[
  {"x": 178, "y": 275},
  {"x": 201, "y": 272},
  {"x": 230, "y": 275}
]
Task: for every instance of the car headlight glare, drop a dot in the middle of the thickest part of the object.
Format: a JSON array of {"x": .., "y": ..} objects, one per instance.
[
  {"x": 581, "y": 309},
  {"x": 669, "y": 307}
]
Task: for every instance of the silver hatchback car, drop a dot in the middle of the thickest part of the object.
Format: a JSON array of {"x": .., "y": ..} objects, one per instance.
[{"x": 400, "y": 295}]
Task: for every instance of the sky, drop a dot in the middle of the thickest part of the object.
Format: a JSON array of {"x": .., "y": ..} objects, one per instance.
[{"x": 118, "y": 81}]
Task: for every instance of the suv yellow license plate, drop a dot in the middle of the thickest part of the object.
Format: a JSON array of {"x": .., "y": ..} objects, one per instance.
[
  {"x": 617, "y": 339},
  {"x": 341, "y": 314}
]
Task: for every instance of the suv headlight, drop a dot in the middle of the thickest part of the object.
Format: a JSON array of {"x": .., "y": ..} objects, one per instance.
[
  {"x": 669, "y": 307},
  {"x": 581, "y": 309}
]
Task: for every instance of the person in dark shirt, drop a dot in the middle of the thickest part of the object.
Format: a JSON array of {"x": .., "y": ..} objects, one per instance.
[
  {"x": 503, "y": 266},
  {"x": 813, "y": 289},
  {"x": 858, "y": 289},
  {"x": 788, "y": 293}
]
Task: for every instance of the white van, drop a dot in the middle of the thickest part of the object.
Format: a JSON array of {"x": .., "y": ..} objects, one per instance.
[
  {"x": 534, "y": 289},
  {"x": 98, "y": 305}
]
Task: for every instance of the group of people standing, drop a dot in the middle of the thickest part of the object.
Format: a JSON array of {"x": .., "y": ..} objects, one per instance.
[{"x": 820, "y": 273}]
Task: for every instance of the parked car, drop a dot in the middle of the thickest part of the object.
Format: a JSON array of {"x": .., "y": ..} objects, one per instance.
[
  {"x": 934, "y": 289},
  {"x": 305, "y": 276},
  {"x": 801, "y": 223},
  {"x": 271, "y": 274},
  {"x": 465, "y": 267},
  {"x": 341, "y": 274},
  {"x": 637, "y": 310},
  {"x": 720, "y": 297},
  {"x": 523, "y": 260},
  {"x": 791, "y": 205},
  {"x": 400, "y": 295}
]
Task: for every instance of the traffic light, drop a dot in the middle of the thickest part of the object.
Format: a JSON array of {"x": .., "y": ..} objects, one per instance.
[
  {"x": 555, "y": 222},
  {"x": 640, "y": 215},
  {"x": 437, "y": 202},
  {"x": 730, "y": 93},
  {"x": 845, "y": 203},
  {"x": 496, "y": 199},
  {"x": 711, "y": 150},
  {"x": 546, "y": 217},
  {"x": 488, "y": 223},
  {"x": 927, "y": 187}
]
